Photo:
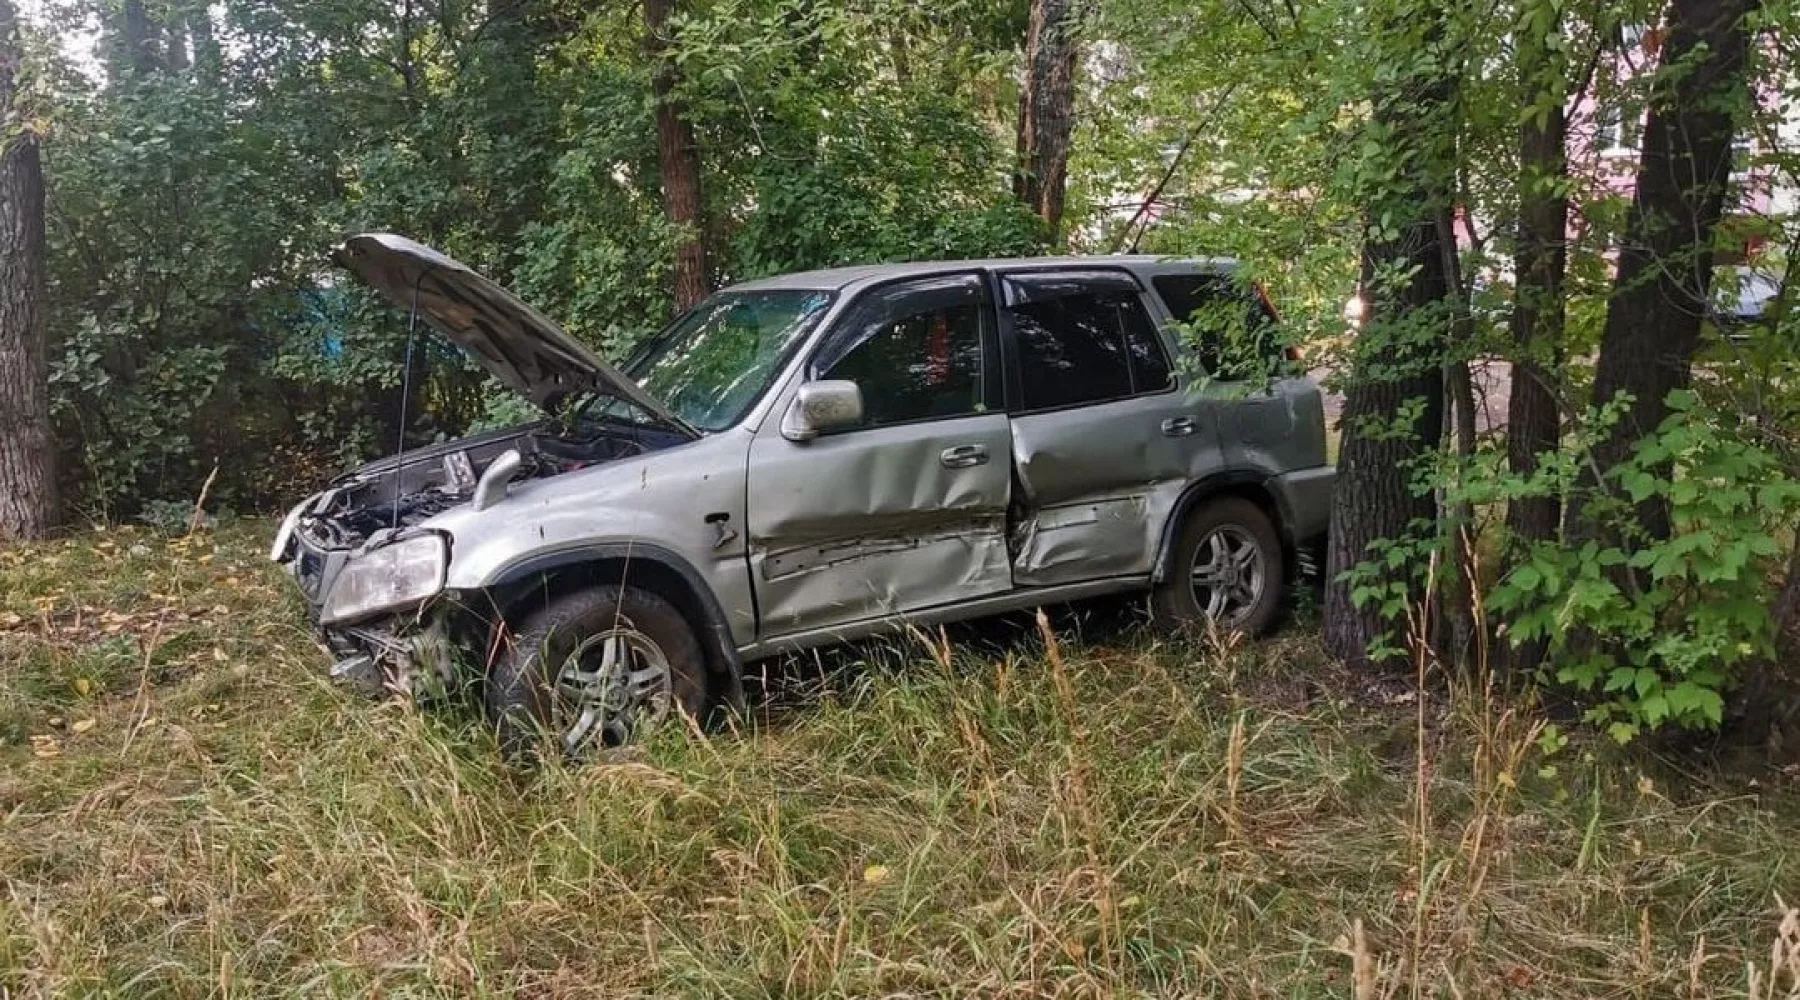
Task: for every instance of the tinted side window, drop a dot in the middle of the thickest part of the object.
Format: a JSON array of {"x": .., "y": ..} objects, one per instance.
[
  {"x": 1086, "y": 348},
  {"x": 1150, "y": 369},
  {"x": 1231, "y": 332},
  {"x": 916, "y": 353}
]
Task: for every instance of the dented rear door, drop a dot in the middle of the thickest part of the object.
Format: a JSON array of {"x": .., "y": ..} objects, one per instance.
[
  {"x": 1105, "y": 434},
  {"x": 908, "y": 510}
]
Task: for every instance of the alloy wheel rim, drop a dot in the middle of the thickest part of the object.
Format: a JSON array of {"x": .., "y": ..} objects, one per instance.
[
  {"x": 1228, "y": 574},
  {"x": 610, "y": 684}
]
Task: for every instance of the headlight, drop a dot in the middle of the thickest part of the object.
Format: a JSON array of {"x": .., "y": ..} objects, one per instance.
[{"x": 392, "y": 576}]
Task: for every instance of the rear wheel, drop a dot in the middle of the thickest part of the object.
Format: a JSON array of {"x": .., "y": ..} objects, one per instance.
[
  {"x": 593, "y": 669},
  {"x": 1226, "y": 567}
]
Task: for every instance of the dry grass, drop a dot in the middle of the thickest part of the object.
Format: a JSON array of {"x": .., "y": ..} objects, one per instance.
[{"x": 187, "y": 810}]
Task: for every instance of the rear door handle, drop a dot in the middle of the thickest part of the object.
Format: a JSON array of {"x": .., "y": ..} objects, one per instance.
[
  {"x": 964, "y": 456},
  {"x": 1179, "y": 426}
]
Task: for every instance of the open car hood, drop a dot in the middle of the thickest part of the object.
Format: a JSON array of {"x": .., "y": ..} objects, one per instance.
[{"x": 520, "y": 346}]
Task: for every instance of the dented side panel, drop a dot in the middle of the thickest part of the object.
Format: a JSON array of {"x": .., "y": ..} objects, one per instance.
[
  {"x": 1098, "y": 482},
  {"x": 875, "y": 522}
]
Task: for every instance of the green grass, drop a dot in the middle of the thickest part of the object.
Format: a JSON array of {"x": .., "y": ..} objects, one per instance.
[{"x": 1128, "y": 819}]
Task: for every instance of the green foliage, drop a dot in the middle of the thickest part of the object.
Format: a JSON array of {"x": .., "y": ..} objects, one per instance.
[
  {"x": 1653, "y": 632},
  {"x": 196, "y": 318},
  {"x": 172, "y": 241}
]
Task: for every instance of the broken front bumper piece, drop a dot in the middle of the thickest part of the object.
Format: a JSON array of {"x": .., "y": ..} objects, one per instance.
[{"x": 397, "y": 657}]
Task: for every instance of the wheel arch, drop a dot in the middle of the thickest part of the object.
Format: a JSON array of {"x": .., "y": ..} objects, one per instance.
[
  {"x": 1250, "y": 484},
  {"x": 522, "y": 587}
]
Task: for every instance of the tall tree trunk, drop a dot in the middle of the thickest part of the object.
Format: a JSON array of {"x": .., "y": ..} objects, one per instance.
[
  {"x": 27, "y": 448},
  {"x": 175, "y": 31},
  {"x": 1047, "y": 111},
  {"x": 678, "y": 159},
  {"x": 1533, "y": 419},
  {"x": 1398, "y": 358},
  {"x": 1665, "y": 265},
  {"x": 1456, "y": 618},
  {"x": 1374, "y": 497}
]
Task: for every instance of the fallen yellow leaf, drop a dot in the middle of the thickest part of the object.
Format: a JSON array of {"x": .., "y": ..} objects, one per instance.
[
  {"x": 875, "y": 874},
  {"x": 83, "y": 726}
]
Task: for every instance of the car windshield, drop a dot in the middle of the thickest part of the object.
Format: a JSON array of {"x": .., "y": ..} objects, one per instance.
[{"x": 715, "y": 362}]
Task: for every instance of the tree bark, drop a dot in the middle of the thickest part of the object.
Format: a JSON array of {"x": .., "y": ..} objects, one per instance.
[
  {"x": 1533, "y": 417},
  {"x": 1457, "y": 618},
  {"x": 1374, "y": 497},
  {"x": 27, "y": 446},
  {"x": 1398, "y": 357},
  {"x": 175, "y": 32},
  {"x": 1665, "y": 265},
  {"x": 1047, "y": 111},
  {"x": 678, "y": 160},
  {"x": 1767, "y": 706},
  {"x": 1533, "y": 421}
]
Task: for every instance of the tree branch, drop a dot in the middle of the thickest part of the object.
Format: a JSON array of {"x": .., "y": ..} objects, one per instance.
[{"x": 1169, "y": 173}]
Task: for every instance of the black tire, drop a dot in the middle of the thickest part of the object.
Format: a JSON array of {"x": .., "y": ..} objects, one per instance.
[
  {"x": 1177, "y": 600},
  {"x": 529, "y": 710}
]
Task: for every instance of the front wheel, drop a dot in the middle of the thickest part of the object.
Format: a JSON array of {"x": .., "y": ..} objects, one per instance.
[
  {"x": 594, "y": 668},
  {"x": 1226, "y": 567}
]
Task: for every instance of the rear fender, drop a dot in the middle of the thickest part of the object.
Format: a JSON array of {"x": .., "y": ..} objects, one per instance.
[{"x": 1248, "y": 483}]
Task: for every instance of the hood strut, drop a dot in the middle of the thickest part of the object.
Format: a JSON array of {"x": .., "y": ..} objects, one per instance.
[{"x": 412, "y": 336}]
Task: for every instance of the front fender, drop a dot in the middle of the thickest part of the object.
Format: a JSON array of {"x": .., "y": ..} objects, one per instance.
[
  {"x": 683, "y": 507},
  {"x": 698, "y": 603}
]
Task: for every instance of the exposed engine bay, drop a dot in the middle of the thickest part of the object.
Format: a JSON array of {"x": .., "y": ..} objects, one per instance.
[{"x": 415, "y": 485}]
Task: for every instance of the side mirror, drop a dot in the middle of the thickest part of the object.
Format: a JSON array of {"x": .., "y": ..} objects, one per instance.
[{"x": 826, "y": 405}]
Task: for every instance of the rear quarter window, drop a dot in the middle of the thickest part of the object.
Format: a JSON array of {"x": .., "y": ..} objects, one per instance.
[{"x": 1230, "y": 332}]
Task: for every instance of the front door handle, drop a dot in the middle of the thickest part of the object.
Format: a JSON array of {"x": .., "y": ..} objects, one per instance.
[
  {"x": 1179, "y": 426},
  {"x": 964, "y": 456}
]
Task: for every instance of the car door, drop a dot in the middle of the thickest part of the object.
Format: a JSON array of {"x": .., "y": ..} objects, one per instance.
[
  {"x": 1105, "y": 433},
  {"x": 907, "y": 509},
  {"x": 1272, "y": 415}
]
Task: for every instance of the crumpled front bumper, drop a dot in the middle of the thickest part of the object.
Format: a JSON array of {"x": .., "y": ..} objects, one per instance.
[
  {"x": 407, "y": 654},
  {"x": 410, "y": 656}
]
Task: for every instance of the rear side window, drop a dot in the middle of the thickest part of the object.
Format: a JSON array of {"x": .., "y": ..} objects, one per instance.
[
  {"x": 1232, "y": 333},
  {"x": 1087, "y": 347}
]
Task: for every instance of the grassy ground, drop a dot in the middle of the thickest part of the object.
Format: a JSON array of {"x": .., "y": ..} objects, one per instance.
[{"x": 187, "y": 810}]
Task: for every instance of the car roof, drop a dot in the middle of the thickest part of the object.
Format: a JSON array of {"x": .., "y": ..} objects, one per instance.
[{"x": 838, "y": 278}]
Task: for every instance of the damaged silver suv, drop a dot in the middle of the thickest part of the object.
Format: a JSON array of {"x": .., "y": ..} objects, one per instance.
[{"x": 804, "y": 460}]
